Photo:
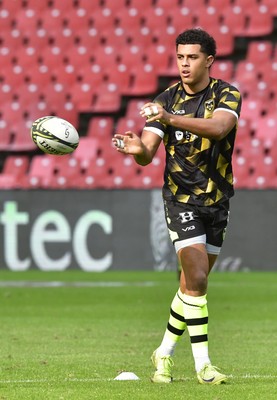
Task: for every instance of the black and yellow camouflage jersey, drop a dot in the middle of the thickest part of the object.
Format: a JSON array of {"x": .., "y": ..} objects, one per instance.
[{"x": 198, "y": 170}]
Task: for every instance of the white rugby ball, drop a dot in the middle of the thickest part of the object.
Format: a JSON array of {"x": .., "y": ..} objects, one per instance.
[{"x": 54, "y": 135}]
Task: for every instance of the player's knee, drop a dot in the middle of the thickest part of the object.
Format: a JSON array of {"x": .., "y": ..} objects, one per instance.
[{"x": 198, "y": 281}]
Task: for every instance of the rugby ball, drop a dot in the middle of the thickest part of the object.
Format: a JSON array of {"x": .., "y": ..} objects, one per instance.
[{"x": 54, "y": 135}]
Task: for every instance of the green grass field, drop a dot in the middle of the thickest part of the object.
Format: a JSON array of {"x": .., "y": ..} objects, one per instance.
[{"x": 70, "y": 340}]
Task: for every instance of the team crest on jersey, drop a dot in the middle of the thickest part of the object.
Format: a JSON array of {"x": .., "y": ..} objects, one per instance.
[
  {"x": 179, "y": 135},
  {"x": 209, "y": 105}
]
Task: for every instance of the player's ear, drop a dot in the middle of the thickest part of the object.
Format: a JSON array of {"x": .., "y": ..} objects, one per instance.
[{"x": 210, "y": 60}]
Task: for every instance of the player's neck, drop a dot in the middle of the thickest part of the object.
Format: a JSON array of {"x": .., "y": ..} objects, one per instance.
[{"x": 197, "y": 87}]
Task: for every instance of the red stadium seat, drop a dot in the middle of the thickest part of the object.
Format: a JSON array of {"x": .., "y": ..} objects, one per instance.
[
  {"x": 66, "y": 172},
  {"x": 108, "y": 98},
  {"x": 76, "y": 18},
  {"x": 223, "y": 70},
  {"x": 224, "y": 38},
  {"x": 166, "y": 5},
  {"x": 87, "y": 150},
  {"x": 26, "y": 56},
  {"x": 52, "y": 18},
  {"x": 82, "y": 94},
  {"x": 88, "y": 38},
  {"x": 62, "y": 37},
  {"x": 101, "y": 128},
  {"x": 52, "y": 56},
  {"x": 191, "y": 3},
  {"x": 120, "y": 76},
  {"x": 272, "y": 5},
  {"x": 7, "y": 91},
  {"x": 260, "y": 89},
  {"x": 134, "y": 107},
  {"x": 6, "y": 56},
  {"x": 243, "y": 136},
  {"x": 10, "y": 39},
  {"x": 106, "y": 56},
  {"x": 128, "y": 18},
  {"x": 114, "y": 6},
  {"x": 98, "y": 174},
  {"x": 35, "y": 38},
  {"x": 144, "y": 81},
  {"x": 221, "y": 4},
  {"x": 246, "y": 4},
  {"x": 12, "y": 113},
  {"x": 101, "y": 20},
  {"x": 235, "y": 18},
  {"x": 5, "y": 135},
  {"x": 7, "y": 21},
  {"x": 123, "y": 171},
  {"x": 39, "y": 75},
  {"x": 207, "y": 17},
  {"x": 142, "y": 5},
  {"x": 14, "y": 75},
  {"x": 158, "y": 57},
  {"x": 11, "y": 6},
  {"x": 269, "y": 72},
  {"x": 36, "y": 5},
  {"x": 241, "y": 171},
  {"x": 247, "y": 71},
  {"x": 40, "y": 172},
  {"x": 260, "y": 21},
  {"x": 91, "y": 74},
  {"x": 16, "y": 165},
  {"x": 252, "y": 108},
  {"x": 126, "y": 123},
  {"x": 154, "y": 19},
  {"x": 264, "y": 174},
  {"x": 132, "y": 56},
  {"x": 78, "y": 56},
  {"x": 27, "y": 19},
  {"x": 266, "y": 129},
  {"x": 66, "y": 74},
  {"x": 8, "y": 182},
  {"x": 259, "y": 50},
  {"x": 179, "y": 18}
]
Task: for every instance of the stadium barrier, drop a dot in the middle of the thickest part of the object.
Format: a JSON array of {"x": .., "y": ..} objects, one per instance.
[{"x": 104, "y": 230}]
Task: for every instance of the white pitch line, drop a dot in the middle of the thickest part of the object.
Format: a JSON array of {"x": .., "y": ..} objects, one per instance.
[
  {"x": 57, "y": 284},
  {"x": 82, "y": 380}
]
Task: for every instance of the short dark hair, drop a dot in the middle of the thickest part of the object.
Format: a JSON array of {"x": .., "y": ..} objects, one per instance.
[{"x": 198, "y": 36}]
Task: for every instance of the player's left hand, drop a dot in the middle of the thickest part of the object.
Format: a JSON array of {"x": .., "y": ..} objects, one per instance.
[{"x": 154, "y": 112}]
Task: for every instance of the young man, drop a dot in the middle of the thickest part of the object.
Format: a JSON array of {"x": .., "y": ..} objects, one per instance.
[{"x": 196, "y": 119}]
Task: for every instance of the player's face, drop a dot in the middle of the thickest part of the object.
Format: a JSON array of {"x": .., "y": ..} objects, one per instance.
[{"x": 193, "y": 66}]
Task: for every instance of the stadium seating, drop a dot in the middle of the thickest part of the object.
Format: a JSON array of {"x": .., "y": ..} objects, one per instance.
[
  {"x": 259, "y": 50},
  {"x": 108, "y": 99},
  {"x": 101, "y": 128},
  {"x": 235, "y": 18},
  {"x": 259, "y": 21},
  {"x": 272, "y": 5},
  {"x": 266, "y": 130},
  {"x": 224, "y": 69},
  {"x": 86, "y": 150},
  {"x": 71, "y": 59},
  {"x": 40, "y": 173},
  {"x": 16, "y": 166}
]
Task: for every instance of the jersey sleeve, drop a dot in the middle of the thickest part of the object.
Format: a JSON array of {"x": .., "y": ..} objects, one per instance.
[{"x": 229, "y": 100}]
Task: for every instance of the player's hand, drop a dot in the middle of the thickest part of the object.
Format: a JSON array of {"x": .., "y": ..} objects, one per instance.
[
  {"x": 129, "y": 143},
  {"x": 154, "y": 112}
]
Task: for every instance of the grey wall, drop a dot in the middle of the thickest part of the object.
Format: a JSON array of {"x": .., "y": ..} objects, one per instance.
[{"x": 101, "y": 230}]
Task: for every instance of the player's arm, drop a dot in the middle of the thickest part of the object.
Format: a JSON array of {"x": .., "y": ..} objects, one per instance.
[
  {"x": 215, "y": 128},
  {"x": 142, "y": 148}
]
